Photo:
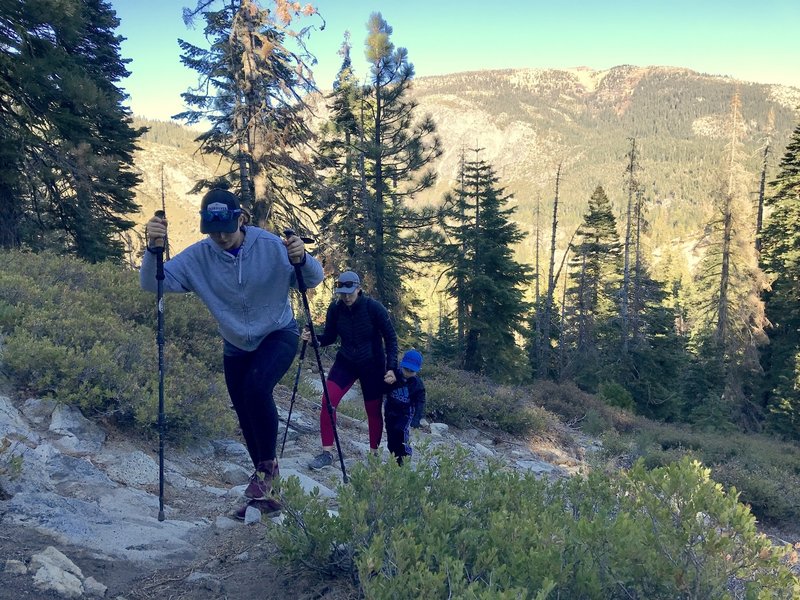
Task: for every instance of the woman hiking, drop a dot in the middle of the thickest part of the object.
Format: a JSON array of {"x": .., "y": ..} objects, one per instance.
[
  {"x": 368, "y": 352},
  {"x": 243, "y": 275}
]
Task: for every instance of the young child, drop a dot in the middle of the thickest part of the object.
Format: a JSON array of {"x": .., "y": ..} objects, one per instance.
[{"x": 405, "y": 404}]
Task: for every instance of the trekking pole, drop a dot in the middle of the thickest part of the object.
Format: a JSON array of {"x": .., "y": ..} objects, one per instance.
[
  {"x": 159, "y": 248},
  {"x": 301, "y": 284},
  {"x": 294, "y": 393}
]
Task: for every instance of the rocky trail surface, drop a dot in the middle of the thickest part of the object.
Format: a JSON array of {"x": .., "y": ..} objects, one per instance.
[{"x": 78, "y": 517}]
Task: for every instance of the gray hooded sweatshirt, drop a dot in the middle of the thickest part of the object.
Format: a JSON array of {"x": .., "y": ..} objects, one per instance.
[{"x": 248, "y": 294}]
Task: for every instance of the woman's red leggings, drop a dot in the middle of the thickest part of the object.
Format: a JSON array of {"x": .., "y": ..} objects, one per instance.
[{"x": 340, "y": 380}]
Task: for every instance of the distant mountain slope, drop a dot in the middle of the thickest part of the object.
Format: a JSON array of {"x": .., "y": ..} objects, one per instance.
[
  {"x": 529, "y": 120},
  {"x": 172, "y": 147}
]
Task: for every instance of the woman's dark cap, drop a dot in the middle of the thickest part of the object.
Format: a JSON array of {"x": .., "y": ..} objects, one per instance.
[{"x": 219, "y": 212}]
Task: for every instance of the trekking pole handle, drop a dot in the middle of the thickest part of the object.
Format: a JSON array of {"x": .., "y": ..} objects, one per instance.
[
  {"x": 159, "y": 242},
  {"x": 158, "y": 246},
  {"x": 290, "y": 232},
  {"x": 301, "y": 284}
]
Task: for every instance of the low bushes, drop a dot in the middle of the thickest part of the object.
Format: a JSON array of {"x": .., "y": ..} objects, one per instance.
[
  {"x": 765, "y": 470},
  {"x": 85, "y": 334},
  {"x": 447, "y": 529},
  {"x": 462, "y": 399}
]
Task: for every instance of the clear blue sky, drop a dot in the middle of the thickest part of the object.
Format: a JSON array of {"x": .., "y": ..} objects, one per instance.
[{"x": 753, "y": 40}]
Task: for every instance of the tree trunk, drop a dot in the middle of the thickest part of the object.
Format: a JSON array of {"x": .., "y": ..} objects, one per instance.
[
  {"x": 624, "y": 309},
  {"x": 461, "y": 308},
  {"x": 724, "y": 279},
  {"x": 760, "y": 208},
  {"x": 9, "y": 220},
  {"x": 543, "y": 355},
  {"x": 562, "y": 351},
  {"x": 638, "y": 301},
  {"x": 350, "y": 196},
  {"x": 727, "y": 231},
  {"x": 380, "y": 259}
]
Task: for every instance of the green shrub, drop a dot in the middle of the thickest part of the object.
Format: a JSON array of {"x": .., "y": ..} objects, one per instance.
[
  {"x": 614, "y": 445},
  {"x": 615, "y": 394},
  {"x": 462, "y": 399},
  {"x": 85, "y": 334},
  {"x": 764, "y": 470},
  {"x": 573, "y": 404},
  {"x": 449, "y": 529},
  {"x": 593, "y": 422}
]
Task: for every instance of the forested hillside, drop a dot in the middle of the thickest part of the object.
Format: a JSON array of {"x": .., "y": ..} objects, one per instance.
[
  {"x": 529, "y": 121},
  {"x": 620, "y": 246},
  {"x": 624, "y": 229},
  {"x": 672, "y": 154}
]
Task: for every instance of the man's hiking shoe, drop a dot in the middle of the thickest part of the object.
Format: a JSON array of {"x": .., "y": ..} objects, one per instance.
[
  {"x": 322, "y": 460},
  {"x": 269, "y": 507},
  {"x": 260, "y": 484}
]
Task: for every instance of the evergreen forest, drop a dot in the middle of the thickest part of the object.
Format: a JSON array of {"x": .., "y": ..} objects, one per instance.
[{"x": 676, "y": 297}]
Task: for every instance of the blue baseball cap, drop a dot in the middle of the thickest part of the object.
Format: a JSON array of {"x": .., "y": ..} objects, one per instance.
[{"x": 412, "y": 360}]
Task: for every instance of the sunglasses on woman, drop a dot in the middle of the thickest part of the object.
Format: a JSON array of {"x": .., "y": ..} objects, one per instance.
[{"x": 225, "y": 214}]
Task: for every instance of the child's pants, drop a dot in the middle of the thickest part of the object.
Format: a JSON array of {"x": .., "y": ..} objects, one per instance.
[{"x": 398, "y": 420}]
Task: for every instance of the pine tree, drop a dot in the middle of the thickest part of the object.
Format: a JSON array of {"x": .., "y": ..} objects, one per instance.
[
  {"x": 444, "y": 346},
  {"x": 596, "y": 276},
  {"x": 66, "y": 180},
  {"x": 545, "y": 318},
  {"x": 342, "y": 219},
  {"x": 655, "y": 351},
  {"x": 730, "y": 318},
  {"x": 781, "y": 259},
  {"x": 632, "y": 185},
  {"x": 398, "y": 151},
  {"x": 480, "y": 258},
  {"x": 251, "y": 90}
]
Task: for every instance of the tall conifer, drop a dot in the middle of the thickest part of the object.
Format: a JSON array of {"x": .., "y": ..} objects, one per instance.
[
  {"x": 781, "y": 259},
  {"x": 342, "y": 210},
  {"x": 250, "y": 90},
  {"x": 729, "y": 317},
  {"x": 399, "y": 147},
  {"x": 596, "y": 275},
  {"x": 490, "y": 282},
  {"x": 67, "y": 141}
]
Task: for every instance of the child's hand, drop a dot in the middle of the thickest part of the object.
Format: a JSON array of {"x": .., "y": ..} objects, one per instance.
[{"x": 389, "y": 378}]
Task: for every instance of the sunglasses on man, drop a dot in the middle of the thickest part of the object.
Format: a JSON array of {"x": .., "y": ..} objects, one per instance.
[{"x": 349, "y": 285}]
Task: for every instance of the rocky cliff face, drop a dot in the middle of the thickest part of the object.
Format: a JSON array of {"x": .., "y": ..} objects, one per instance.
[{"x": 529, "y": 121}]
